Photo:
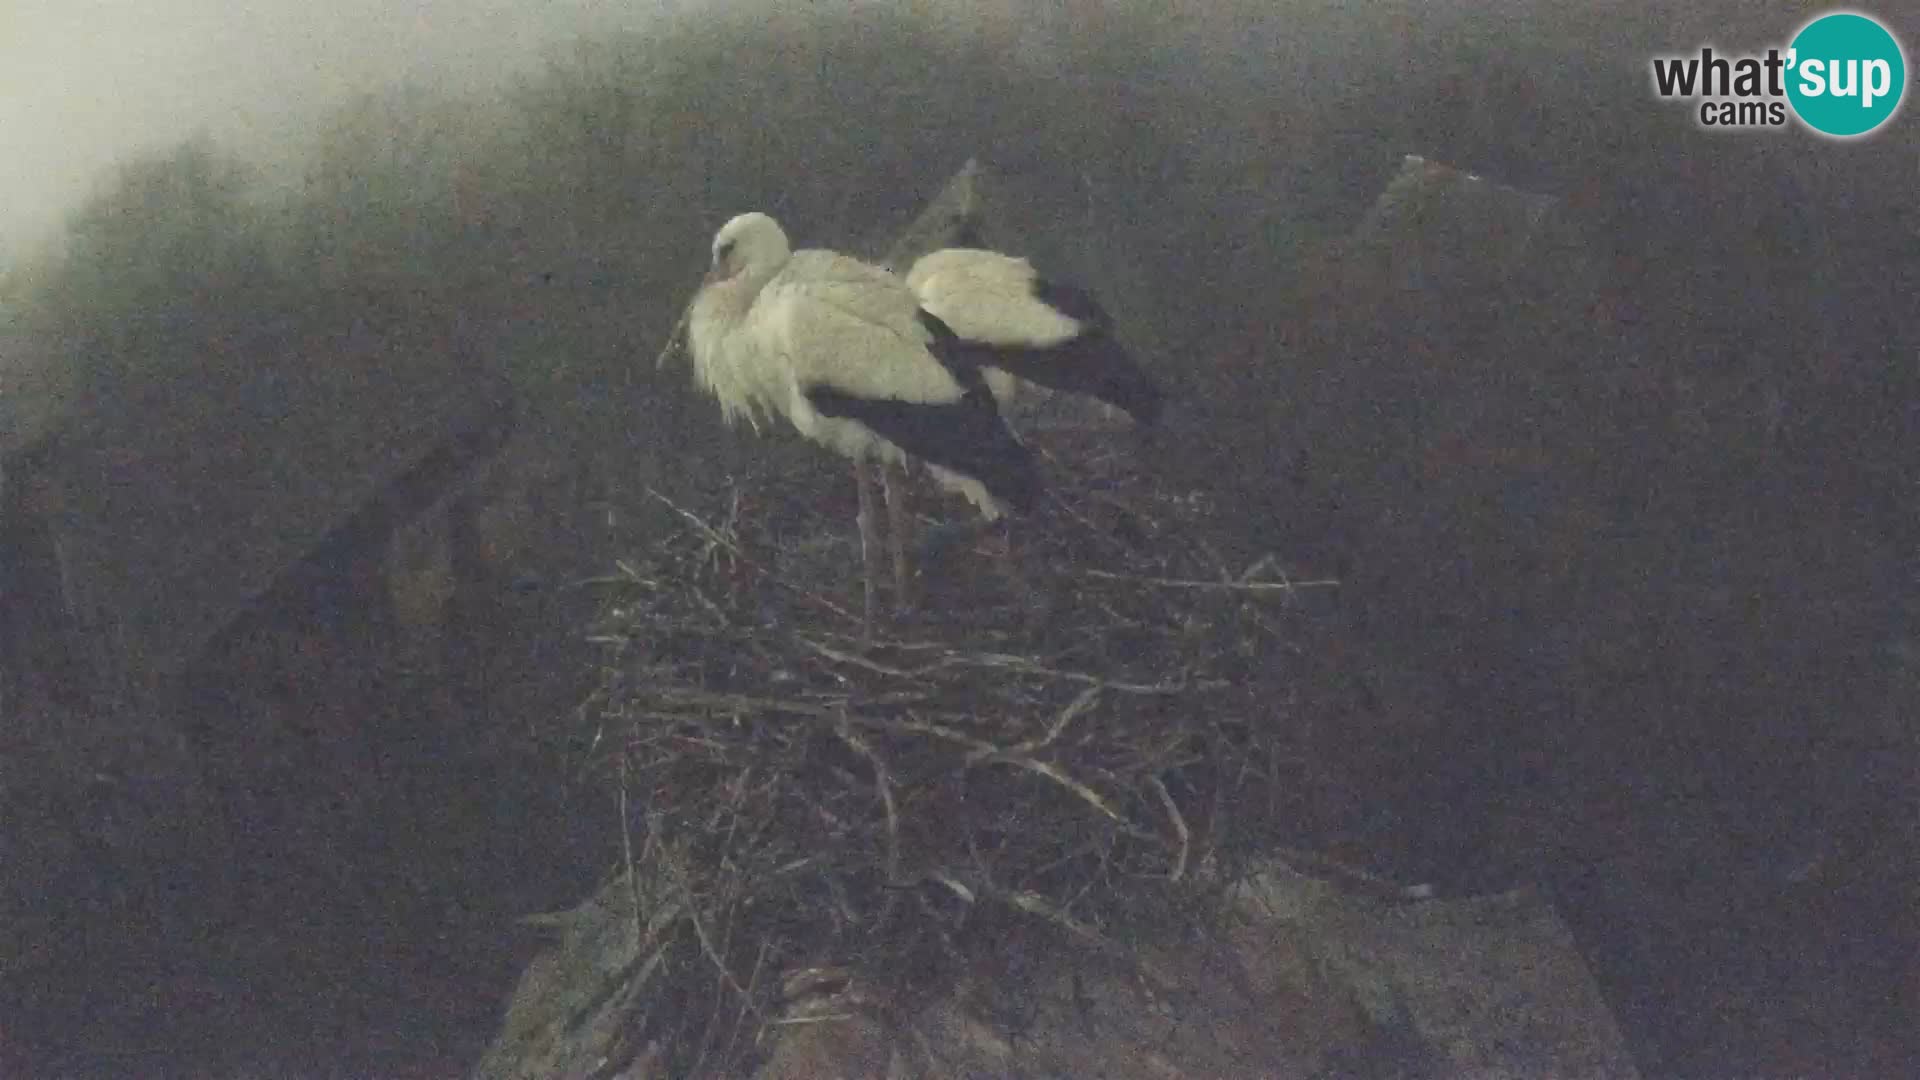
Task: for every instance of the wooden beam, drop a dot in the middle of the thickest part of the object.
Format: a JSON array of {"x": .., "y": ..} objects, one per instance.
[{"x": 955, "y": 217}]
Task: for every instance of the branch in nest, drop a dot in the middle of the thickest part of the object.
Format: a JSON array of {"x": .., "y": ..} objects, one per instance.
[
  {"x": 673, "y": 339},
  {"x": 1035, "y": 904},
  {"x": 1179, "y": 827},
  {"x": 1024, "y": 665},
  {"x": 1079, "y": 707},
  {"x": 1221, "y": 586},
  {"x": 717, "y": 538},
  {"x": 737, "y": 703},
  {"x": 884, "y": 781},
  {"x": 708, "y": 532},
  {"x": 843, "y": 657}
]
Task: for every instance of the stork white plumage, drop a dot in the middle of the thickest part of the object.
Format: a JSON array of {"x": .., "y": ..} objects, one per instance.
[
  {"x": 844, "y": 352},
  {"x": 1020, "y": 325}
]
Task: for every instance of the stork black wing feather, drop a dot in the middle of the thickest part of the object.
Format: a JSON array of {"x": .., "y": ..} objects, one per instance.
[
  {"x": 961, "y": 360},
  {"x": 967, "y": 436},
  {"x": 1073, "y": 302},
  {"x": 1093, "y": 364},
  {"x": 962, "y": 436}
]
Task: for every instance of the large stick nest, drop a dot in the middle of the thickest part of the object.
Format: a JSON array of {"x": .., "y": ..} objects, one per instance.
[{"x": 1092, "y": 746}]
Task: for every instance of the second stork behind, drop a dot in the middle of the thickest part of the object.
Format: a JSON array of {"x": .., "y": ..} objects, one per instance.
[{"x": 1021, "y": 325}]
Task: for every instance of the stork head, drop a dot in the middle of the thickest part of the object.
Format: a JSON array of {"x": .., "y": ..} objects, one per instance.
[{"x": 751, "y": 245}]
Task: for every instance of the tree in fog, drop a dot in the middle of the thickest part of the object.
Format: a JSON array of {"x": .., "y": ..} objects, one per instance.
[
  {"x": 170, "y": 251},
  {"x": 376, "y": 209}
]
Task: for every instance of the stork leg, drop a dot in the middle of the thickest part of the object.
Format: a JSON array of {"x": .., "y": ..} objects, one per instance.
[
  {"x": 899, "y": 527},
  {"x": 1005, "y": 549},
  {"x": 869, "y": 546}
]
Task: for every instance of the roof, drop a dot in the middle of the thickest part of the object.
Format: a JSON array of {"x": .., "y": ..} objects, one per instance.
[
  {"x": 1441, "y": 231},
  {"x": 1439, "y": 360},
  {"x": 953, "y": 218},
  {"x": 185, "y": 496},
  {"x": 983, "y": 207}
]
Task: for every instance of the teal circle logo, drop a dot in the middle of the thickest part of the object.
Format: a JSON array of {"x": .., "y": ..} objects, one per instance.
[{"x": 1847, "y": 75}]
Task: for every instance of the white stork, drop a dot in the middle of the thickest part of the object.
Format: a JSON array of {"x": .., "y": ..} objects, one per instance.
[
  {"x": 842, "y": 349},
  {"x": 1022, "y": 326}
]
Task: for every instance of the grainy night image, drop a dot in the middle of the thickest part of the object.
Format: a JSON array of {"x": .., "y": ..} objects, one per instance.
[{"x": 956, "y": 538}]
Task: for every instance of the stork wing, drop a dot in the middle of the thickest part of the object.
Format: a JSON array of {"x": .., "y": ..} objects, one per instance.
[
  {"x": 990, "y": 298},
  {"x": 855, "y": 329},
  {"x": 859, "y": 348},
  {"x": 1043, "y": 331}
]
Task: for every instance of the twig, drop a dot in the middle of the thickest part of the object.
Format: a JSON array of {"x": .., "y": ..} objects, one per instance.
[
  {"x": 1263, "y": 563},
  {"x": 980, "y": 746},
  {"x": 673, "y": 339},
  {"x": 1035, "y": 904},
  {"x": 884, "y": 781},
  {"x": 1079, "y": 707},
  {"x": 1021, "y": 663},
  {"x": 626, "y": 847},
  {"x": 711, "y": 534},
  {"x": 874, "y": 666},
  {"x": 1227, "y": 586},
  {"x": 715, "y": 537},
  {"x": 1179, "y": 827},
  {"x": 954, "y": 884},
  {"x": 739, "y": 702},
  {"x": 814, "y": 1018},
  {"x": 1025, "y": 665},
  {"x": 706, "y": 946},
  {"x": 748, "y": 1000},
  {"x": 1054, "y": 773}
]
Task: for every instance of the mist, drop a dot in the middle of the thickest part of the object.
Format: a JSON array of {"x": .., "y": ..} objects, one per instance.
[
  {"x": 1653, "y": 671},
  {"x": 86, "y": 84}
]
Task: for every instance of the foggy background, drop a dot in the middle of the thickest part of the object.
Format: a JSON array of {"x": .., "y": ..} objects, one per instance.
[
  {"x": 1666, "y": 675},
  {"x": 87, "y": 83},
  {"x": 84, "y": 84}
]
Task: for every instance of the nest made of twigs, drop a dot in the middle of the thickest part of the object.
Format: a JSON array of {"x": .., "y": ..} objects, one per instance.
[{"x": 1092, "y": 745}]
